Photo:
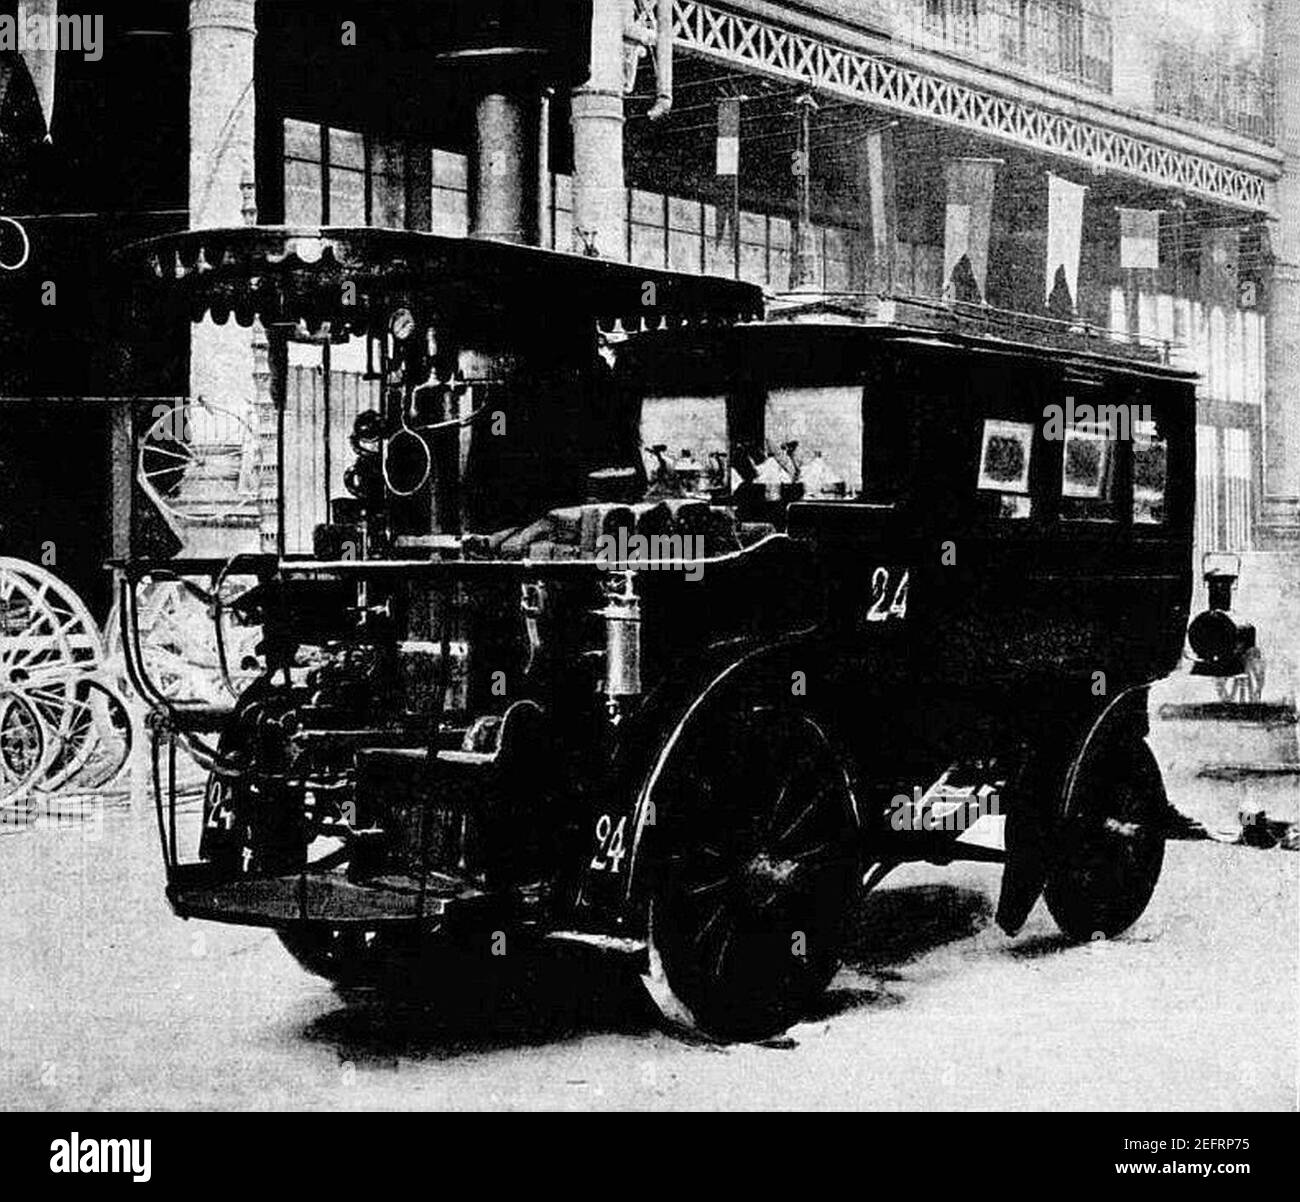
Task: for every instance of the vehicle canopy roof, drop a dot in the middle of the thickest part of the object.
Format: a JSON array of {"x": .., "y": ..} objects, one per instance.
[
  {"x": 821, "y": 347},
  {"x": 353, "y": 279}
]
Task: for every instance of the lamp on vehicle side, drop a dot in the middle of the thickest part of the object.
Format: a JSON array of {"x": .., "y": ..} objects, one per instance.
[
  {"x": 1218, "y": 640},
  {"x": 622, "y": 614}
]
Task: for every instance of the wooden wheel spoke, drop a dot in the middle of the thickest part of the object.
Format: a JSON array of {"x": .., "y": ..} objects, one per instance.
[
  {"x": 702, "y": 934},
  {"x": 721, "y": 958},
  {"x": 771, "y": 855},
  {"x": 157, "y": 448},
  {"x": 710, "y": 886},
  {"x": 801, "y": 858},
  {"x": 807, "y": 812}
]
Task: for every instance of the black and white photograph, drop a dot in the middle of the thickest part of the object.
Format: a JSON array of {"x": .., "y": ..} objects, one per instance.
[{"x": 650, "y": 556}]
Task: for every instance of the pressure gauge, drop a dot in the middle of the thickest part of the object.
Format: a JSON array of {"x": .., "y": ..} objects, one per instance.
[{"x": 402, "y": 324}]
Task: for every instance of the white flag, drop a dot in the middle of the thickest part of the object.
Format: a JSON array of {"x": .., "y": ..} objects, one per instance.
[
  {"x": 42, "y": 55},
  {"x": 1139, "y": 239},
  {"x": 1064, "y": 233},
  {"x": 969, "y": 217}
]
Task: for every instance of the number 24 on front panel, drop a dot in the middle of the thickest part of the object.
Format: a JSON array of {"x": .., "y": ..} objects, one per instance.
[{"x": 888, "y": 600}]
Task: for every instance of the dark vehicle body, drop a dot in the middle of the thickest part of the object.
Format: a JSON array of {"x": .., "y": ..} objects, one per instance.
[{"x": 677, "y": 643}]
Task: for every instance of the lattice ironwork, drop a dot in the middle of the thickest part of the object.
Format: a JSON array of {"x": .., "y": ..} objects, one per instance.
[{"x": 757, "y": 45}]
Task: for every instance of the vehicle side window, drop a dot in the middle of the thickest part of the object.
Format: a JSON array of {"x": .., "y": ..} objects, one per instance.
[
  {"x": 1088, "y": 472},
  {"x": 818, "y": 433},
  {"x": 1006, "y": 457},
  {"x": 1150, "y": 475},
  {"x": 687, "y": 435}
]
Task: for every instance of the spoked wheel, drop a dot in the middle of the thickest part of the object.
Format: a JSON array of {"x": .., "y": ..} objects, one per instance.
[
  {"x": 94, "y": 754},
  {"x": 187, "y": 656},
  {"x": 24, "y": 742},
  {"x": 189, "y": 458},
  {"x": 1111, "y": 845},
  {"x": 251, "y": 836},
  {"x": 50, "y": 647},
  {"x": 754, "y": 856},
  {"x": 354, "y": 956}
]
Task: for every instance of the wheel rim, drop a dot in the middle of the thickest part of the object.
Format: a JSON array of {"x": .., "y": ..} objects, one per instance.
[
  {"x": 1111, "y": 848},
  {"x": 23, "y": 747},
  {"x": 756, "y": 860},
  {"x": 170, "y": 458},
  {"x": 96, "y": 752},
  {"x": 50, "y": 647},
  {"x": 178, "y": 644}
]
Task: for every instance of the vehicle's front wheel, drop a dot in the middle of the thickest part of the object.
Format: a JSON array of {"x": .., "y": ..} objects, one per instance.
[
  {"x": 355, "y": 955},
  {"x": 1111, "y": 845},
  {"x": 754, "y": 855}
]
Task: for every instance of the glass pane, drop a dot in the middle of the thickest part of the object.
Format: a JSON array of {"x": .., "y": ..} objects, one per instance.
[
  {"x": 347, "y": 197},
  {"x": 302, "y": 193},
  {"x": 647, "y": 245},
  {"x": 1150, "y": 470},
  {"x": 684, "y": 252},
  {"x": 450, "y": 213},
  {"x": 302, "y": 141},
  {"x": 820, "y": 431},
  {"x": 1088, "y": 473},
  {"x": 647, "y": 208},
  {"x": 347, "y": 149},
  {"x": 1087, "y": 457},
  {"x": 684, "y": 215},
  {"x": 691, "y": 434}
]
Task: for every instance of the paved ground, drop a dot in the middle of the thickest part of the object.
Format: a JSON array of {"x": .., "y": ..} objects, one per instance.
[{"x": 106, "y": 1001}]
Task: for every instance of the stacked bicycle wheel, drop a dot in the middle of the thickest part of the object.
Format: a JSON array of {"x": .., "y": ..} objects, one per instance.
[{"x": 64, "y": 724}]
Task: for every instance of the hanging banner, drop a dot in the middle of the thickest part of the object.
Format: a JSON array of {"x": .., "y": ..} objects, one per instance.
[
  {"x": 1220, "y": 263},
  {"x": 968, "y": 223},
  {"x": 1064, "y": 234},
  {"x": 39, "y": 20},
  {"x": 883, "y": 204},
  {"x": 1139, "y": 239},
  {"x": 729, "y": 137}
]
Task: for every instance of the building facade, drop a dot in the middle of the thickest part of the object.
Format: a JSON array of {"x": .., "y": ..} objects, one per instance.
[{"x": 856, "y": 118}]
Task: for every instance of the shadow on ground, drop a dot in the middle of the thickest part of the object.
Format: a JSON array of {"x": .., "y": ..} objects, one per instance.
[{"x": 548, "y": 993}]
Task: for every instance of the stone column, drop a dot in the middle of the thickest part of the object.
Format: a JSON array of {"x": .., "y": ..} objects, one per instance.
[
  {"x": 599, "y": 187},
  {"x": 222, "y": 163},
  {"x": 1281, "y": 508},
  {"x": 504, "y": 170},
  {"x": 222, "y": 108}
]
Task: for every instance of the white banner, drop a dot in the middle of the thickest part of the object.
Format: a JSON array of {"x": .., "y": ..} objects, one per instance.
[
  {"x": 1139, "y": 239},
  {"x": 40, "y": 18},
  {"x": 970, "y": 184},
  {"x": 1064, "y": 233}
]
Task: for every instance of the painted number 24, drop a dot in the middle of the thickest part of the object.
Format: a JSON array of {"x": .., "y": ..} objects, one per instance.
[
  {"x": 887, "y": 603},
  {"x": 610, "y": 844}
]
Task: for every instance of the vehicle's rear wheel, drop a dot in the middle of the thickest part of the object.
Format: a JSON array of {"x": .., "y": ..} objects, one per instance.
[
  {"x": 754, "y": 856},
  {"x": 1111, "y": 844}
]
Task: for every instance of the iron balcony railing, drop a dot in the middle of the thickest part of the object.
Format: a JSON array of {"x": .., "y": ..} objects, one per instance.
[
  {"x": 1210, "y": 90},
  {"x": 1067, "y": 40}
]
